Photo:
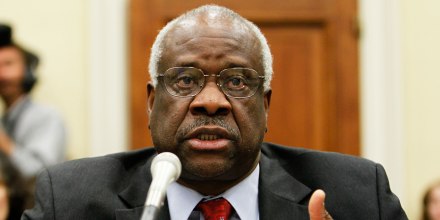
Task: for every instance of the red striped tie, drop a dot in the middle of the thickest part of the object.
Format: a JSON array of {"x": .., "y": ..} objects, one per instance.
[{"x": 217, "y": 209}]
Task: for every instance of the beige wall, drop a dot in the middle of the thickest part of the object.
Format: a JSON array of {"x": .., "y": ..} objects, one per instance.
[
  {"x": 58, "y": 32},
  {"x": 82, "y": 45},
  {"x": 421, "y": 65}
]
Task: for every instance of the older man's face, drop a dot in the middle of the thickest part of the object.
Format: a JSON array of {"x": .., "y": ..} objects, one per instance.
[{"x": 215, "y": 136}]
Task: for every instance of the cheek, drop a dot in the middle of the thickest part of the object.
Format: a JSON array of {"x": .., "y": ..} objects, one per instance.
[
  {"x": 15, "y": 73},
  {"x": 166, "y": 117},
  {"x": 434, "y": 209},
  {"x": 251, "y": 119}
]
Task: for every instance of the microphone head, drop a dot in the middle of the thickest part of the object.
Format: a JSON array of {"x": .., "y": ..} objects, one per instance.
[
  {"x": 166, "y": 159},
  {"x": 165, "y": 169}
]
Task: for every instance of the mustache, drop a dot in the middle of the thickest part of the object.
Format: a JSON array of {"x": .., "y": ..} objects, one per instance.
[{"x": 204, "y": 121}]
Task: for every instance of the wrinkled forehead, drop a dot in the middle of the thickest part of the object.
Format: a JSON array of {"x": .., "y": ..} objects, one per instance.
[
  {"x": 210, "y": 24},
  {"x": 221, "y": 32}
]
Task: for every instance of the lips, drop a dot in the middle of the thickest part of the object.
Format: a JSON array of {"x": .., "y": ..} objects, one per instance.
[
  {"x": 209, "y": 133},
  {"x": 209, "y": 138}
]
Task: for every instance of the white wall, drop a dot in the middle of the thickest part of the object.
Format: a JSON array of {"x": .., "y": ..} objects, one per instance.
[
  {"x": 108, "y": 103},
  {"x": 400, "y": 80},
  {"x": 56, "y": 31},
  {"x": 81, "y": 44},
  {"x": 421, "y": 64},
  {"x": 381, "y": 89}
]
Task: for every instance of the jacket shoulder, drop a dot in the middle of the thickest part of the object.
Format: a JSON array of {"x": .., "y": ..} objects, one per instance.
[
  {"x": 103, "y": 165},
  {"x": 325, "y": 170},
  {"x": 295, "y": 155},
  {"x": 350, "y": 182}
]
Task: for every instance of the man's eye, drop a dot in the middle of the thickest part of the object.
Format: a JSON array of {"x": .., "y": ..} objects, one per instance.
[
  {"x": 185, "y": 81},
  {"x": 235, "y": 83}
]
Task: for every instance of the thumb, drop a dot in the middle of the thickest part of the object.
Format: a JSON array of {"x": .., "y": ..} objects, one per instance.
[{"x": 316, "y": 206}]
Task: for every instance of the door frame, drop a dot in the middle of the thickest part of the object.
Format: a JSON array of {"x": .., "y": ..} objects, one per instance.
[{"x": 381, "y": 89}]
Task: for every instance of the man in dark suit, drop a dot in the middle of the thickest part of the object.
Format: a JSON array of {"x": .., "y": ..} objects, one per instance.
[{"x": 208, "y": 103}]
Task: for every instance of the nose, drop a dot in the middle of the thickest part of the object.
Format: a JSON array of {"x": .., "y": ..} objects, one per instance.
[{"x": 210, "y": 101}]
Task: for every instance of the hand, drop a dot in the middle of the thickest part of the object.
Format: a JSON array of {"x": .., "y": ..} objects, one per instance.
[
  {"x": 317, "y": 208},
  {"x": 6, "y": 145}
]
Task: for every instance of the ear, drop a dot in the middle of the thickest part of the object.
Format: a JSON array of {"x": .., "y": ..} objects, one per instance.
[
  {"x": 267, "y": 95},
  {"x": 150, "y": 97}
]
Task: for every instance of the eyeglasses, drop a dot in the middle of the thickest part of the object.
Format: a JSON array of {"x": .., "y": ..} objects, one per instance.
[{"x": 233, "y": 82}]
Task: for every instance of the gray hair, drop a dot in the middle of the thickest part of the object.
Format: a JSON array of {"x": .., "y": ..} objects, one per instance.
[{"x": 158, "y": 46}]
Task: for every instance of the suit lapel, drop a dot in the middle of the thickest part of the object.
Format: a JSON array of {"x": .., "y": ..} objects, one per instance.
[
  {"x": 135, "y": 193},
  {"x": 281, "y": 196}
]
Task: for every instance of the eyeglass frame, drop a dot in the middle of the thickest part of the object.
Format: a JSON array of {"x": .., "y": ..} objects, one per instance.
[{"x": 216, "y": 82}]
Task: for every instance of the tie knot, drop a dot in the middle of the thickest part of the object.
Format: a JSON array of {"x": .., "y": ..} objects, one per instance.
[{"x": 216, "y": 209}]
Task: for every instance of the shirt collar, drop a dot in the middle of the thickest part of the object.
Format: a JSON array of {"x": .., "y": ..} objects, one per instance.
[
  {"x": 181, "y": 201},
  {"x": 13, "y": 112},
  {"x": 11, "y": 116},
  {"x": 243, "y": 197}
]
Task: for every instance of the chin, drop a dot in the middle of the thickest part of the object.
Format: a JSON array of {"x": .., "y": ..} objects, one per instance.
[{"x": 212, "y": 170}]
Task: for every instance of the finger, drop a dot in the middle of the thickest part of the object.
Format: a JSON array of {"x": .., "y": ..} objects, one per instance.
[{"x": 316, "y": 206}]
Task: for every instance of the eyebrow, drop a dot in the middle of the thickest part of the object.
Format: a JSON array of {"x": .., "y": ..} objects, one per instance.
[
  {"x": 188, "y": 64},
  {"x": 227, "y": 66}
]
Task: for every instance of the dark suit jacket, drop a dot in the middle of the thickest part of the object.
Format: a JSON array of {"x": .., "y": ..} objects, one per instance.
[{"x": 115, "y": 186}]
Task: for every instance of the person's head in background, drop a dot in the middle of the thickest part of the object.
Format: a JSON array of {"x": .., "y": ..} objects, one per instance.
[
  {"x": 431, "y": 203},
  {"x": 14, "y": 193},
  {"x": 16, "y": 68}
]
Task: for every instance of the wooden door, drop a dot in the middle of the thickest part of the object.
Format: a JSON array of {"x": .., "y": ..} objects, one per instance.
[{"x": 315, "y": 102}]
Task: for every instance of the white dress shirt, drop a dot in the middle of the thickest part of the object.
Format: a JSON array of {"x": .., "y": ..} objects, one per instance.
[{"x": 243, "y": 197}]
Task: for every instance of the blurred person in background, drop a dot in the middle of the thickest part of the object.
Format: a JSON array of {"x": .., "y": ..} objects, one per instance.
[
  {"x": 31, "y": 135},
  {"x": 14, "y": 194},
  {"x": 431, "y": 203}
]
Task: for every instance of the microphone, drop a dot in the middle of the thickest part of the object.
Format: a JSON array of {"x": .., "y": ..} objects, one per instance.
[{"x": 165, "y": 169}]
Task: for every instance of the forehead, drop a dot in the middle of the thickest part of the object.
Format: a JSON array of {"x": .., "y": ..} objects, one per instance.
[
  {"x": 204, "y": 38},
  {"x": 9, "y": 52},
  {"x": 435, "y": 193}
]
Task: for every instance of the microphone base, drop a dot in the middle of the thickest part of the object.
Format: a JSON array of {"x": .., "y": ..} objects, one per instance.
[{"x": 150, "y": 213}]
